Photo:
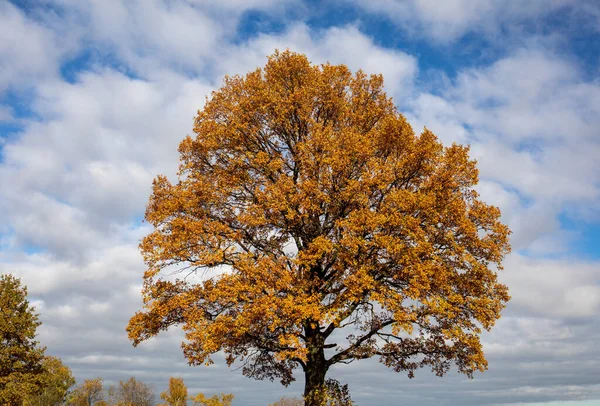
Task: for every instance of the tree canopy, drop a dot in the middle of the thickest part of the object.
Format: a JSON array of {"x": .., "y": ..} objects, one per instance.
[
  {"x": 224, "y": 399},
  {"x": 310, "y": 211},
  {"x": 132, "y": 393},
  {"x": 21, "y": 356},
  {"x": 176, "y": 395},
  {"x": 285, "y": 401},
  {"x": 56, "y": 381},
  {"x": 88, "y": 393}
]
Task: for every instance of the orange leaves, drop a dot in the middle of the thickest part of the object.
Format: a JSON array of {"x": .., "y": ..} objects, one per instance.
[
  {"x": 318, "y": 248},
  {"x": 328, "y": 211},
  {"x": 224, "y": 399}
]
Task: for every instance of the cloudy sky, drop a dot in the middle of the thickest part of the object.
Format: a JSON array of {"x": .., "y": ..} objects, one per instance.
[{"x": 95, "y": 96}]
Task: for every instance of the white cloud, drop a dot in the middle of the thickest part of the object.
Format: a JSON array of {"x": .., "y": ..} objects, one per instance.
[
  {"x": 345, "y": 45},
  {"x": 105, "y": 271},
  {"x": 438, "y": 115},
  {"x": 147, "y": 36},
  {"x": 531, "y": 119},
  {"x": 29, "y": 51},
  {"x": 85, "y": 170},
  {"x": 562, "y": 289},
  {"x": 531, "y": 94},
  {"x": 449, "y": 20},
  {"x": 183, "y": 35}
]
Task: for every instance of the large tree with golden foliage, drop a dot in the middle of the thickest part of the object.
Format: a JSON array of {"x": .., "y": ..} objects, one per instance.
[{"x": 323, "y": 216}]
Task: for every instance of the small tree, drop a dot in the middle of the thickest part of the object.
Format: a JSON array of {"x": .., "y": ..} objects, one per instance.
[
  {"x": 21, "y": 369},
  {"x": 177, "y": 393},
  {"x": 337, "y": 394},
  {"x": 88, "y": 393},
  {"x": 224, "y": 399},
  {"x": 288, "y": 402},
  {"x": 56, "y": 381},
  {"x": 328, "y": 212},
  {"x": 132, "y": 393},
  {"x": 333, "y": 394}
]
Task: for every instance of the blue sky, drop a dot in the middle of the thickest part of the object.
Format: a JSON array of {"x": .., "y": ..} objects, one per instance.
[{"x": 96, "y": 95}]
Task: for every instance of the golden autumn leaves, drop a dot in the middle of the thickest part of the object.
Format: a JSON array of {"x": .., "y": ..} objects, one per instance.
[{"x": 328, "y": 212}]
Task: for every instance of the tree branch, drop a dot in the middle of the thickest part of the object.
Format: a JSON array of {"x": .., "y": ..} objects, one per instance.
[{"x": 345, "y": 354}]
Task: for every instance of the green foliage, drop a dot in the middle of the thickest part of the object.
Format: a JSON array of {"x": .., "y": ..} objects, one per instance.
[{"x": 21, "y": 369}]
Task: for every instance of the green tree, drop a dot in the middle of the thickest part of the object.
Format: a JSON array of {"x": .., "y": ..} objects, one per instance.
[
  {"x": 177, "y": 393},
  {"x": 328, "y": 212},
  {"x": 21, "y": 368},
  {"x": 132, "y": 393},
  {"x": 56, "y": 381}
]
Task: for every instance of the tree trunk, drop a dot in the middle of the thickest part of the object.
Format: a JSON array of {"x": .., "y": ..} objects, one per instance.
[
  {"x": 314, "y": 385},
  {"x": 315, "y": 371}
]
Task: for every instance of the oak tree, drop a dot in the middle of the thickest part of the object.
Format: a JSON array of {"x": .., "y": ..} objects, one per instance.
[
  {"x": 21, "y": 356},
  {"x": 311, "y": 227}
]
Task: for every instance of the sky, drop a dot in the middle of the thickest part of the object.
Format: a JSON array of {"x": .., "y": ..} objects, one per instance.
[{"x": 95, "y": 96}]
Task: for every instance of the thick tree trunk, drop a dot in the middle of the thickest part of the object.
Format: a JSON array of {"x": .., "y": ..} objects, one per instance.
[
  {"x": 314, "y": 385},
  {"x": 315, "y": 371}
]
